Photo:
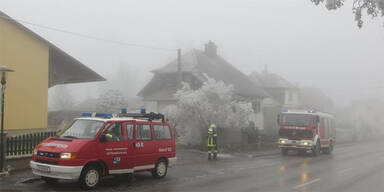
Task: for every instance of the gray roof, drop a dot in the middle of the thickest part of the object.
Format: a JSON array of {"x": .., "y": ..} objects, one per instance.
[
  {"x": 198, "y": 63},
  {"x": 271, "y": 80},
  {"x": 63, "y": 68}
]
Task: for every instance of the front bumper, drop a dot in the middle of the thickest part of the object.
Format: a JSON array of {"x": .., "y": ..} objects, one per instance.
[
  {"x": 296, "y": 147},
  {"x": 56, "y": 171},
  {"x": 293, "y": 144}
]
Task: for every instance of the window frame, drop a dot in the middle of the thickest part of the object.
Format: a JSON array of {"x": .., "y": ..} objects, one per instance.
[
  {"x": 150, "y": 130},
  {"x": 110, "y": 124},
  {"x": 125, "y": 128},
  {"x": 164, "y": 125}
]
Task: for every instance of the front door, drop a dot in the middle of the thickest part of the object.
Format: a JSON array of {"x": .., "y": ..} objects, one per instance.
[{"x": 116, "y": 150}]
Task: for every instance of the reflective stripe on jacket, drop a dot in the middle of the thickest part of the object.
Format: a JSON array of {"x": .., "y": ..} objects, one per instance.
[{"x": 212, "y": 136}]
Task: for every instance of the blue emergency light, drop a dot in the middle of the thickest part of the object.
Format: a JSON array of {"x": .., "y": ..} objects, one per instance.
[
  {"x": 142, "y": 111},
  {"x": 104, "y": 115},
  {"x": 124, "y": 110},
  {"x": 86, "y": 114}
]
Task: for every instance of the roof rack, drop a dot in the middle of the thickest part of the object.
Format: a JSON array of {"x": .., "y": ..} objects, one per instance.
[{"x": 150, "y": 116}]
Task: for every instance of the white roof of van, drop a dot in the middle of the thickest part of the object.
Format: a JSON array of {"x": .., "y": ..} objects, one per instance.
[{"x": 116, "y": 119}]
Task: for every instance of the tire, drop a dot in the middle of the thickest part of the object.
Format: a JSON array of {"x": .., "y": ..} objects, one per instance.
[
  {"x": 284, "y": 151},
  {"x": 160, "y": 170},
  {"x": 49, "y": 180},
  {"x": 316, "y": 149},
  {"x": 329, "y": 149},
  {"x": 90, "y": 177},
  {"x": 301, "y": 152}
]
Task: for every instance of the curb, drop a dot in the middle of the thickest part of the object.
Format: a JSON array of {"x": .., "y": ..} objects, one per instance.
[{"x": 4, "y": 174}]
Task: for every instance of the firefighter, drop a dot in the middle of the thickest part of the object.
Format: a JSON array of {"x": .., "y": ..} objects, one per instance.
[{"x": 212, "y": 142}]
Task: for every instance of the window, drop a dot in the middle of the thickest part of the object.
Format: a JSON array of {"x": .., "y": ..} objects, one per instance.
[
  {"x": 143, "y": 132},
  {"x": 83, "y": 129},
  {"x": 298, "y": 120},
  {"x": 114, "y": 133},
  {"x": 256, "y": 106},
  {"x": 129, "y": 128},
  {"x": 290, "y": 96},
  {"x": 162, "y": 132}
]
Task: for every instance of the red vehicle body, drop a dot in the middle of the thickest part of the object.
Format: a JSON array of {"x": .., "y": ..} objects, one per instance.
[
  {"x": 306, "y": 131},
  {"x": 93, "y": 147}
]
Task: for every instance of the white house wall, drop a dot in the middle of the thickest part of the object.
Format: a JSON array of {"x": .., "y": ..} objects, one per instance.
[{"x": 291, "y": 99}]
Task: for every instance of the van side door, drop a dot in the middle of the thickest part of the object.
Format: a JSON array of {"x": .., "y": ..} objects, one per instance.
[{"x": 144, "y": 146}]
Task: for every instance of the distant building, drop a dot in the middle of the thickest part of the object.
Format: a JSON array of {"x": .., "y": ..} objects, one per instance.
[
  {"x": 38, "y": 65},
  {"x": 283, "y": 95},
  {"x": 314, "y": 98},
  {"x": 194, "y": 64}
]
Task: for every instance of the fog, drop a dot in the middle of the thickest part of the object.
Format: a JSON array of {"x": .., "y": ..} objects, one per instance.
[{"x": 306, "y": 44}]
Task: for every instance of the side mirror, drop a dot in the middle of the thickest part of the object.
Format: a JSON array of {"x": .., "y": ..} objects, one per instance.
[{"x": 102, "y": 138}]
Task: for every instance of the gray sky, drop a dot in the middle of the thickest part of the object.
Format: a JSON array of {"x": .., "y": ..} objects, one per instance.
[{"x": 304, "y": 43}]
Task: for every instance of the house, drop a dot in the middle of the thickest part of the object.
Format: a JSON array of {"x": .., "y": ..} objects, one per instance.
[
  {"x": 314, "y": 98},
  {"x": 283, "y": 92},
  {"x": 195, "y": 64},
  {"x": 284, "y": 95},
  {"x": 38, "y": 65}
]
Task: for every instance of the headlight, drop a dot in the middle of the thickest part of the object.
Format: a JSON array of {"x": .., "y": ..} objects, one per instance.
[
  {"x": 305, "y": 143},
  {"x": 68, "y": 155},
  {"x": 282, "y": 141},
  {"x": 35, "y": 151}
]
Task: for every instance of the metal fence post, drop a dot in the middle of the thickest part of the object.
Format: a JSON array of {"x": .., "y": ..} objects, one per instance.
[{"x": 3, "y": 150}]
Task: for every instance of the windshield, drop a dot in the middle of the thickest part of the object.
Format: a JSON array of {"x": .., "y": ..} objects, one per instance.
[
  {"x": 298, "y": 120},
  {"x": 83, "y": 129}
]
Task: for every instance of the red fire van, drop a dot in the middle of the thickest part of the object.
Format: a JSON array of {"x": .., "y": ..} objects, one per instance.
[{"x": 101, "y": 144}]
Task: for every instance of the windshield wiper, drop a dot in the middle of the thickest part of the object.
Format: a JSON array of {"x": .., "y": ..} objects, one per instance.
[{"x": 68, "y": 136}]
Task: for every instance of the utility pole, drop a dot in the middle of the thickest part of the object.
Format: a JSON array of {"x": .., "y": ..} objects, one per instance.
[
  {"x": 179, "y": 72},
  {"x": 3, "y": 71}
]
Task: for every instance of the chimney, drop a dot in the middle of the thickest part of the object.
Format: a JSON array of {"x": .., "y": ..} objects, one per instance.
[{"x": 210, "y": 49}]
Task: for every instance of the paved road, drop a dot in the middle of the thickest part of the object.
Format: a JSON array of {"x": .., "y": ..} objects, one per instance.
[{"x": 357, "y": 167}]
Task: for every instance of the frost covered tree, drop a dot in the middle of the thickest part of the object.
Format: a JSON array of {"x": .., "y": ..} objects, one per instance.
[
  {"x": 373, "y": 8},
  {"x": 111, "y": 101},
  {"x": 214, "y": 103},
  {"x": 62, "y": 98}
]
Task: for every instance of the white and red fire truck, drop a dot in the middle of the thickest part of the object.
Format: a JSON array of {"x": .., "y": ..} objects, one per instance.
[
  {"x": 101, "y": 144},
  {"x": 306, "y": 130}
]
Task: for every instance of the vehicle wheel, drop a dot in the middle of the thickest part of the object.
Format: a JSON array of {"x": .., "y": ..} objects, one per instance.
[
  {"x": 49, "y": 180},
  {"x": 284, "y": 151},
  {"x": 90, "y": 177},
  {"x": 301, "y": 152},
  {"x": 316, "y": 149},
  {"x": 329, "y": 149},
  {"x": 160, "y": 170}
]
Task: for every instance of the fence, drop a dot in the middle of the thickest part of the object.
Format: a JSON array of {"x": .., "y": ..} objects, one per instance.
[{"x": 22, "y": 145}]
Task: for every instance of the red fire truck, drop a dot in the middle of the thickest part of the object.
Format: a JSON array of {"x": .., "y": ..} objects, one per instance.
[
  {"x": 306, "y": 130},
  {"x": 101, "y": 144}
]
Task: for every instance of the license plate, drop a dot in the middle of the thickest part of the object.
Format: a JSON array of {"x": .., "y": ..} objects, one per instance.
[
  {"x": 43, "y": 168},
  {"x": 293, "y": 141}
]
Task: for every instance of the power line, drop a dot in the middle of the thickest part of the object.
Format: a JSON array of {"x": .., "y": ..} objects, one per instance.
[{"x": 87, "y": 36}]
